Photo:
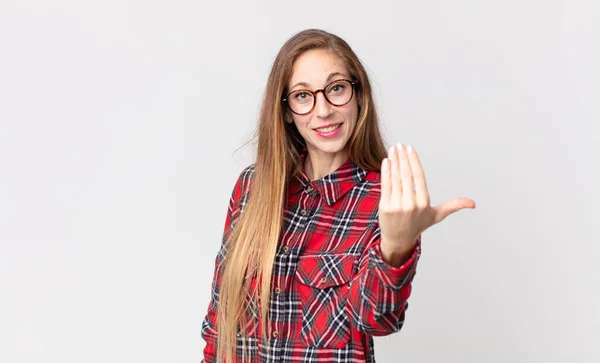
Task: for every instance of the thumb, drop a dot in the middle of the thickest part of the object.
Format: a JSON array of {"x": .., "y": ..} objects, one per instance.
[{"x": 453, "y": 206}]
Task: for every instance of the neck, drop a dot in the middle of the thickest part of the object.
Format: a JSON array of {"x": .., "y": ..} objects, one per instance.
[{"x": 320, "y": 164}]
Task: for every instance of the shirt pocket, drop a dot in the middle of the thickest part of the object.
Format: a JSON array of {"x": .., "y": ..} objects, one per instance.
[{"x": 322, "y": 291}]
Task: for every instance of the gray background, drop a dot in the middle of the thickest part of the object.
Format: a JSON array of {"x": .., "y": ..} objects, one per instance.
[{"x": 120, "y": 122}]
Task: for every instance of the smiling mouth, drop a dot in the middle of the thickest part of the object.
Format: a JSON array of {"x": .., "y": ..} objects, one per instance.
[{"x": 328, "y": 128}]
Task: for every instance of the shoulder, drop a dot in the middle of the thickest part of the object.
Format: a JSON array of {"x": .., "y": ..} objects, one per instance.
[
  {"x": 242, "y": 186},
  {"x": 246, "y": 176},
  {"x": 371, "y": 184},
  {"x": 365, "y": 197}
]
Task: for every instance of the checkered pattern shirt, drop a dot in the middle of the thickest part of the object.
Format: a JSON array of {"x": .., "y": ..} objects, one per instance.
[{"x": 331, "y": 289}]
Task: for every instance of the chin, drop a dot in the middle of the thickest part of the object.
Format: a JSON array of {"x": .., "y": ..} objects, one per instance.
[{"x": 332, "y": 149}]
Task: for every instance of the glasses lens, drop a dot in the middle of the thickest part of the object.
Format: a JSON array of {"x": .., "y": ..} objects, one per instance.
[
  {"x": 301, "y": 101},
  {"x": 339, "y": 92}
]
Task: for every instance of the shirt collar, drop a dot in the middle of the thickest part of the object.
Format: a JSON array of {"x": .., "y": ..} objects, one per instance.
[{"x": 331, "y": 187}]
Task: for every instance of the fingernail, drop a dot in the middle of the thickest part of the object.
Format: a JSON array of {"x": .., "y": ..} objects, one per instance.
[
  {"x": 399, "y": 146},
  {"x": 409, "y": 149},
  {"x": 391, "y": 152}
]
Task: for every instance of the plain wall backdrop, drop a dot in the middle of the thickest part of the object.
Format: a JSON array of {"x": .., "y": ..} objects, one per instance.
[{"x": 120, "y": 123}]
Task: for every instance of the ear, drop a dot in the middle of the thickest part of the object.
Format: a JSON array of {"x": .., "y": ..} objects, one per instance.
[
  {"x": 287, "y": 116},
  {"x": 359, "y": 99}
]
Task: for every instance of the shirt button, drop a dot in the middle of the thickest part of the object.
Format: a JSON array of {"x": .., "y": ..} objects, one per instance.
[
  {"x": 324, "y": 280},
  {"x": 303, "y": 212},
  {"x": 309, "y": 188},
  {"x": 277, "y": 290},
  {"x": 275, "y": 334},
  {"x": 286, "y": 249}
]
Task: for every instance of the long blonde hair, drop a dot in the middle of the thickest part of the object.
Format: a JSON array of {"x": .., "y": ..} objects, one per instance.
[{"x": 253, "y": 242}]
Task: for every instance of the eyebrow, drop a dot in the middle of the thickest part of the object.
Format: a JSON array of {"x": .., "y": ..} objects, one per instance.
[{"x": 304, "y": 84}]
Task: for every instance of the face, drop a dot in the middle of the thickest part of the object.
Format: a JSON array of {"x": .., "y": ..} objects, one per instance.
[{"x": 327, "y": 128}]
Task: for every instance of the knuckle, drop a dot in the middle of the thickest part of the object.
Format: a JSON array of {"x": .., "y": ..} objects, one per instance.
[
  {"x": 408, "y": 207},
  {"x": 422, "y": 205},
  {"x": 388, "y": 209}
]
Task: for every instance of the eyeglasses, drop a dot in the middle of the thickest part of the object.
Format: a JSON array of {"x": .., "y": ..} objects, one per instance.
[{"x": 337, "y": 93}]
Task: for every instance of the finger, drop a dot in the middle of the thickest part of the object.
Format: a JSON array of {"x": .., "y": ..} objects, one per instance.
[
  {"x": 386, "y": 183},
  {"x": 396, "y": 187},
  {"x": 453, "y": 206},
  {"x": 421, "y": 192},
  {"x": 408, "y": 196}
]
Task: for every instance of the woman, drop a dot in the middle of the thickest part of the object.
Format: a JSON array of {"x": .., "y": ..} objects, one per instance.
[{"x": 323, "y": 231}]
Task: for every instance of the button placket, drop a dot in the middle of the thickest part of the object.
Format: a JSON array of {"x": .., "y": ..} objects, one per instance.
[{"x": 310, "y": 189}]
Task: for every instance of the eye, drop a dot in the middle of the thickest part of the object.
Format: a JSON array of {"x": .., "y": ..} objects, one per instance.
[
  {"x": 337, "y": 87},
  {"x": 302, "y": 96}
]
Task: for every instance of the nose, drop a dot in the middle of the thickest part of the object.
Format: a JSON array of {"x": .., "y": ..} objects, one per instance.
[{"x": 322, "y": 107}]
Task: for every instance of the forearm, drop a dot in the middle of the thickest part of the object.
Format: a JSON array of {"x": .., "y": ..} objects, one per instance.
[
  {"x": 378, "y": 295},
  {"x": 209, "y": 334}
]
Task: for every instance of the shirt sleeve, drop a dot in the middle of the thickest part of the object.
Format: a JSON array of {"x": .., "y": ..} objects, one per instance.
[
  {"x": 209, "y": 324},
  {"x": 378, "y": 294}
]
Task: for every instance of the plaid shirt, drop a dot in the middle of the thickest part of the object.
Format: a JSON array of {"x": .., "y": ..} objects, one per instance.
[{"x": 331, "y": 289}]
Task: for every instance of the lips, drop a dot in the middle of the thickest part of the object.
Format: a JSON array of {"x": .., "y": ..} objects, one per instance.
[
  {"x": 329, "y": 131},
  {"x": 328, "y": 128}
]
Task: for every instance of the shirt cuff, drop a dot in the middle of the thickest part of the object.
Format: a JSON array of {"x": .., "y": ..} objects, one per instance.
[{"x": 394, "y": 277}]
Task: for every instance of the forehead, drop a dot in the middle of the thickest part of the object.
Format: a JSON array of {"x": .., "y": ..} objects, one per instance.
[{"x": 314, "y": 66}]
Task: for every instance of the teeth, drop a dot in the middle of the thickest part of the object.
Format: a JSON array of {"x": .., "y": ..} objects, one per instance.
[{"x": 329, "y": 129}]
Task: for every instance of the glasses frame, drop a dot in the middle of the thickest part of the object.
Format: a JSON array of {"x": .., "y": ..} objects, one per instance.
[{"x": 322, "y": 90}]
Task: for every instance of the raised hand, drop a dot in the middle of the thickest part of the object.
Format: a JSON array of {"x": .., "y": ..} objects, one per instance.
[{"x": 404, "y": 207}]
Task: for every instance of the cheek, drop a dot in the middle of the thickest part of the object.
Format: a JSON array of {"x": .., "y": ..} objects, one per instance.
[
  {"x": 300, "y": 122},
  {"x": 352, "y": 112}
]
